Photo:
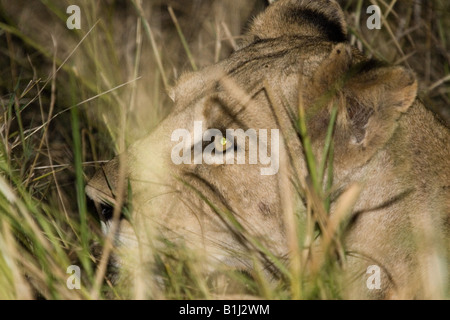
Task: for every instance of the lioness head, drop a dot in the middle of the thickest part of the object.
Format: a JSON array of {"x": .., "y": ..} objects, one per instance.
[{"x": 224, "y": 170}]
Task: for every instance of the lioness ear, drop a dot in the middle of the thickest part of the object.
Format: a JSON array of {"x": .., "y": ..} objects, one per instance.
[
  {"x": 373, "y": 102},
  {"x": 318, "y": 18}
]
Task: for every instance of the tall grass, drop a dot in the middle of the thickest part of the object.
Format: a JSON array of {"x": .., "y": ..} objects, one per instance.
[{"x": 75, "y": 99}]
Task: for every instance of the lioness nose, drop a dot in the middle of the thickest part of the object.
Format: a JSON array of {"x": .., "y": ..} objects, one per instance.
[
  {"x": 103, "y": 189},
  {"x": 106, "y": 211}
]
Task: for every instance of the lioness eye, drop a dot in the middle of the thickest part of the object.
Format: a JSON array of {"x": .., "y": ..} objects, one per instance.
[{"x": 222, "y": 144}]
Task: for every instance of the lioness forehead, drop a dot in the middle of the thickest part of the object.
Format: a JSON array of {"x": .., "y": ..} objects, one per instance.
[{"x": 251, "y": 65}]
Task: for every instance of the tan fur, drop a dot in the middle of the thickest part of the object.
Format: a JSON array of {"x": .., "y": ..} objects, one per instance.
[{"x": 385, "y": 140}]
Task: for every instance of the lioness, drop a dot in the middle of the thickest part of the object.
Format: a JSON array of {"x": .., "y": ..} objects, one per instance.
[{"x": 295, "y": 62}]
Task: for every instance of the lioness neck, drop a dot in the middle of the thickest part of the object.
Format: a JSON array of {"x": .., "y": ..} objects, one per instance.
[
  {"x": 405, "y": 200},
  {"x": 420, "y": 154}
]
